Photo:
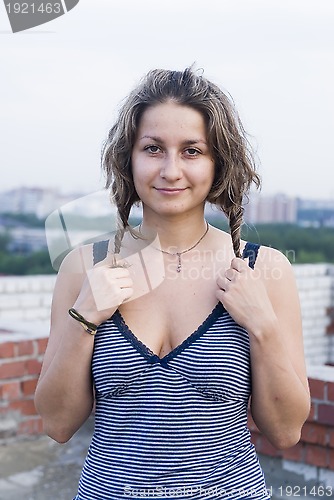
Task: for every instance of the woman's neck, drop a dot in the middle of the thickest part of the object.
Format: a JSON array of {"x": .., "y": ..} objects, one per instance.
[{"x": 174, "y": 235}]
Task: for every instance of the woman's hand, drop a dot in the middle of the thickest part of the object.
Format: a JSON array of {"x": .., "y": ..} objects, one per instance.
[
  {"x": 242, "y": 292},
  {"x": 104, "y": 289}
]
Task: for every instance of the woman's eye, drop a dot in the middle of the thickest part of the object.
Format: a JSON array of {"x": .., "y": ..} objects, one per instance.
[
  {"x": 192, "y": 152},
  {"x": 152, "y": 149}
]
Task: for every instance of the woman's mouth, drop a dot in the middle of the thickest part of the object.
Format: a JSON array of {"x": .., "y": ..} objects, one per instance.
[{"x": 170, "y": 191}]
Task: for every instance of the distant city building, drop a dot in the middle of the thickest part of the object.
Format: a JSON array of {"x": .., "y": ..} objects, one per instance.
[
  {"x": 38, "y": 201},
  {"x": 316, "y": 213},
  {"x": 278, "y": 208}
]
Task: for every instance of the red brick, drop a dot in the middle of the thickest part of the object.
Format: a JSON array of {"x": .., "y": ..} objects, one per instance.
[
  {"x": 25, "y": 348},
  {"x": 331, "y": 459},
  {"x": 42, "y": 343},
  {"x": 330, "y": 391},
  {"x": 316, "y": 455},
  {"x": 326, "y": 414},
  {"x": 256, "y": 439},
  {"x": 330, "y": 329},
  {"x": 311, "y": 416},
  {"x": 314, "y": 433},
  {"x": 317, "y": 388},
  {"x": 331, "y": 437},
  {"x": 33, "y": 367},
  {"x": 267, "y": 448},
  {"x": 295, "y": 453},
  {"x": 31, "y": 426},
  {"x": 12, "y": 369},
  {"x": 251, "y": 424},
  {"x": 10, "y": 391},
  {"x": 29, "y": 387},
  {"x": 6, "y": 350},
  {"x": 25, "y": 406}
]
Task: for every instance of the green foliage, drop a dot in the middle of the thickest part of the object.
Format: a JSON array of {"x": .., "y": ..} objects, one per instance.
[
  {"x": 30, "y": 220},
  {"x": 18, "y": 264},
  {"x": 301, "y": 245},
  {"x": 4, "y": 240}
]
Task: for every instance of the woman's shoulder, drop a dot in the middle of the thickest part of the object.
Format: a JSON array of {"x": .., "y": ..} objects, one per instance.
[
  {"x": 267, "y": 254},
  {"x": 272, "y": 264},
  {"x": 84, "y": 257}
]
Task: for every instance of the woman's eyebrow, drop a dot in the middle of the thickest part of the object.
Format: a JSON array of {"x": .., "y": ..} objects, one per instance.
[
  {"x": 187, "y": 142},
  {"x": 152, "y": 137}
]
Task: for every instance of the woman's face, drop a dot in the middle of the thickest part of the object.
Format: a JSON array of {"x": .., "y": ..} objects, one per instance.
[{"x": 172, "y": 166}]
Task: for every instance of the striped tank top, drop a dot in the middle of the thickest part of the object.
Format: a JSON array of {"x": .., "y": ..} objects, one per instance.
[{"x": 173, "y": 427}]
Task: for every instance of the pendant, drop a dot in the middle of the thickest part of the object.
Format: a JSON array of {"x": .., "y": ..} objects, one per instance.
[{"x": 178, "y": 269}]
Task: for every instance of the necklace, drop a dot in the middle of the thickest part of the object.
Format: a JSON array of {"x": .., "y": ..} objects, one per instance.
[{"x": 179, "y": 265}]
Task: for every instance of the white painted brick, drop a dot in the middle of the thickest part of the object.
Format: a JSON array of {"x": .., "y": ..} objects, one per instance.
[
  {"x": 11, "y": 314},
  {"x": 330, "y": 269},
  {"x": 312, "y": 344},
  {"x": 28, "y": 300},
  {"x": 316, "y": 360},
  {"x": 36, "y": 286},
  {"x": 8, "y": 301},
  {"x": 47, "y": 300},
  {"x": 320, "y": 347},
  {"x": 48, "y": 283},
  {"x": 10, "y": 286},
  {"x": 309, "y": 322},
  {"x": 320, "y": 372},
  {"x": 23, "y": 284},
  {"x": 39, "y": 313}
]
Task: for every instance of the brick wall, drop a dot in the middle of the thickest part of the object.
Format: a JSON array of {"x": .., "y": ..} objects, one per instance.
[
  {"x": 316, "y": 447},
  {"x": 24, "y": 326},
  {"x": 24, "y": 299},
  {"x": 316, "y": 292},
  {"x": 20, "y": 365}
]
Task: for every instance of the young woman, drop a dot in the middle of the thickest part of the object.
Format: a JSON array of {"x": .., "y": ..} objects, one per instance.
[{"x": 191, "y": 323}]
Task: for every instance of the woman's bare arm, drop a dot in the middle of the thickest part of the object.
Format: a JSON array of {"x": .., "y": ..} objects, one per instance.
[
  {"x": 265, "y": 302},
  {"x": 64, "y": 394}
]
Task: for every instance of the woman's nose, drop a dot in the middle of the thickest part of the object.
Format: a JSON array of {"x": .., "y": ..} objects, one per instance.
[{"x": 171, "y": 168}]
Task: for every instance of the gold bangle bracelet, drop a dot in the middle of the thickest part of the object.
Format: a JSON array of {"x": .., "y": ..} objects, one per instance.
[{"x": 90, "y": 328}]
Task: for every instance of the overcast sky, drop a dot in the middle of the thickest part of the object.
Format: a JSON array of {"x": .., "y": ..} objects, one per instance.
[{"x": 61, "y": 84}]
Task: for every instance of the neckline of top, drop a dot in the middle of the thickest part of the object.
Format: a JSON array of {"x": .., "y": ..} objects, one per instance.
[{"x": 152, "y": 357}]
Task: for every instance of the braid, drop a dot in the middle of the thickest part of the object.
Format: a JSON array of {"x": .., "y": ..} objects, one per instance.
[
  {"x": 118, "y": 239},
  {"x": 122, "y": 226},
  {"x": 235, "y": 221}
]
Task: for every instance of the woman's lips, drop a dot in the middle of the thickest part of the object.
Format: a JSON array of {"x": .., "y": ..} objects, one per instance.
[{"x": 170, "y": 191}]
